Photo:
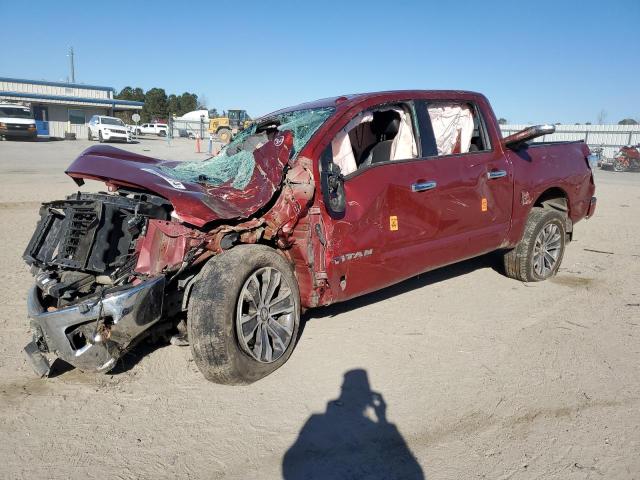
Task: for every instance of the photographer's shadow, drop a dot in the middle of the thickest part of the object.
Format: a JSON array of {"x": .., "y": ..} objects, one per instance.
[{"x": 345, "y": 443}]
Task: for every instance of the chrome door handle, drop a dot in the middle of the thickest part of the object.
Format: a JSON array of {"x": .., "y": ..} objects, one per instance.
[
  {"x": 422, "y": 186},
  {"x": 493, "y": 174}
]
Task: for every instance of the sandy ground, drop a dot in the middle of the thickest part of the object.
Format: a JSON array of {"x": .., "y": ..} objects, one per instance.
[{"x": 481, "y": 376}]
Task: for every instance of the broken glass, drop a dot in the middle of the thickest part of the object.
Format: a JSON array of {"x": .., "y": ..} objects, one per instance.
[{"x": 235, "y": 163}]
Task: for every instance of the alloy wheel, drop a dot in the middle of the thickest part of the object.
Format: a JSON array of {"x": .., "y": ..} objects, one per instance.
[
  {"x": 546, "y": 250},
  {"x": 265, "y": 315}
]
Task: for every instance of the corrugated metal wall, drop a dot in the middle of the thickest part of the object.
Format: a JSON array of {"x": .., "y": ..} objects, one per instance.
[
  {"x": 610, "y": 137},
  {"x": 72, "y": 91}
]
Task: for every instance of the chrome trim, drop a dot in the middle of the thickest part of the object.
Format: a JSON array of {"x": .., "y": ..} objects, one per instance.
[
  {"x": 132, "y": 311},
  {"x": 493, "y": 174},
  {"x": 423, "y": 186}
]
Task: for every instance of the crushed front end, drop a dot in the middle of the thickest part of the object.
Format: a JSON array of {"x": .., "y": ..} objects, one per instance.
[{"x": 88, "y": 304}]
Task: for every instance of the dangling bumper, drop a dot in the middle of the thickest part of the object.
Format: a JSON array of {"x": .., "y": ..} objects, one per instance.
[{"x": 93, "y": 334}]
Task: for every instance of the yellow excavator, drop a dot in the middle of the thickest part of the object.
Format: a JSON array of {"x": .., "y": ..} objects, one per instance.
[{"x": 228, "y": 125}]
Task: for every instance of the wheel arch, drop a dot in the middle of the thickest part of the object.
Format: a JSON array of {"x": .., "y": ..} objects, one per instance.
[{"x": 556, "y": 198}]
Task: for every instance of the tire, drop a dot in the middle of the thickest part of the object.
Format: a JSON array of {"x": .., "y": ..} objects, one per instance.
[
  {"x": 89, "y": 136},
  {"x": 162, "y": 133},
  {"x": 618, "y": 165},
  {"x": 522, "y": 262},
  {"x": 224, "y": 135},
  {"x": 138, "y": 133},
  {"x": 217, "y": 303},
  {"x": 100, "y": 139}
]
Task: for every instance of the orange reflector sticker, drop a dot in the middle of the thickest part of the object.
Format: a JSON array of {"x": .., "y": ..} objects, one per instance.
[
  {"x": 484, "y": 205},
  {"x": 393, "y": 223}
]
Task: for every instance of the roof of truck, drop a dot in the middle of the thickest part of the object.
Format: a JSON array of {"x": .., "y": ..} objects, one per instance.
[{"x": 391, "y": 95}]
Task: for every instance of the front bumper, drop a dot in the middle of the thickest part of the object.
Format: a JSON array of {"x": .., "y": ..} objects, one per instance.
[
  {"x": 72, "y": 332},
  {"x": 116, "y": 136},
  {"x": 21, "y": 133}
]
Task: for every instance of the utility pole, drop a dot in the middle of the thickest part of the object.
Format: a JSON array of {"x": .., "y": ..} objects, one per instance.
[{"x": 73, "y": 70}]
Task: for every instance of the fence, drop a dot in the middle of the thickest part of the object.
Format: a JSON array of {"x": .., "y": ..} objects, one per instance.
[
  {"x": 609, "y": 137},
  {"x": 189, "y": 128}
]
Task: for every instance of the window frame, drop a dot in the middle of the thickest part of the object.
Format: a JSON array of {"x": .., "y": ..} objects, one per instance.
[
  {"x": 422, "y": 107},
  {"x": 410, "y": 103},
  {"x": 84, "y": 116}
]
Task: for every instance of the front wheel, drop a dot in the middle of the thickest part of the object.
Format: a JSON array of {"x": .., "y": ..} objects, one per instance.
[
  {"x": 539, "y": 253},
  {"x": 89, "y": 136},
  {"x": 100, "y": 138},
  {"x": 244, "y": 315}
]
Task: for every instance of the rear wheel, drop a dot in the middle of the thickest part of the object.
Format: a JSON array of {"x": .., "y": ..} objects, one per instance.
[
  {"x": 539, "y": 253},
  {"x": 244, "y": 315}
]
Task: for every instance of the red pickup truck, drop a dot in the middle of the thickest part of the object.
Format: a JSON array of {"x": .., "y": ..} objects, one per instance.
[{"x": 311, "y": 205}]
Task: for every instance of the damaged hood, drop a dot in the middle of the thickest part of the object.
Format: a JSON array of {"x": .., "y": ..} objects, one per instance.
[{"x": 197, "y": 203}]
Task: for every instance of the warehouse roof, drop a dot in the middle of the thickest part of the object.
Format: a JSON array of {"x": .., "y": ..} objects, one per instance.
[
  {"x": 56, "y": 84},
  {"x": 111, "y": 102}
]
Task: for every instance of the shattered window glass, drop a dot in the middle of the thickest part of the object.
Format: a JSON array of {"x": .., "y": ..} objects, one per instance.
[{"x": 235, "y": 162}]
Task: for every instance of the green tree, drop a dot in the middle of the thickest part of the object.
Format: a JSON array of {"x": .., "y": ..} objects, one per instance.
[
  {"x": 188, "y": 102},
  {"x": 173, "y": 105},
  {"x": 128, "y": 93},
  {"x": 155, "y": 105},
  {"x": 502, "y": 121},
  {"x": 628, "y": 121}
]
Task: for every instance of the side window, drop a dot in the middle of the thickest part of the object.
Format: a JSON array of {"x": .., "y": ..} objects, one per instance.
[
  {"x": 451, "y": 128},
  {"x": 381, "y": 134},
  {"x": 76, "y": 117}
]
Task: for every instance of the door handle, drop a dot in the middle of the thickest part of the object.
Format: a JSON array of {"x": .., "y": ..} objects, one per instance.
[
  {"x": 422, "y": 186},
  {"x": 493, "y": 174}
]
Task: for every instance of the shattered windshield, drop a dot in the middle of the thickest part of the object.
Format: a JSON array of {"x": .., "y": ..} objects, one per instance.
[{"x": 235, "y": 162}]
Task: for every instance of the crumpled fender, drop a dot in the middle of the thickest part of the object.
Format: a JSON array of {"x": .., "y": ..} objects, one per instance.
[{"x": 194, "y": 203}]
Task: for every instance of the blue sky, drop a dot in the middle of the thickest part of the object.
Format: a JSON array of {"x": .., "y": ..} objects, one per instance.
[{"x": 542, "y": 61}]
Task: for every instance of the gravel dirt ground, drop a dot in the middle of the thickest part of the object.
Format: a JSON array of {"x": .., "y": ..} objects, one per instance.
[{"x": 459, "y": 373}]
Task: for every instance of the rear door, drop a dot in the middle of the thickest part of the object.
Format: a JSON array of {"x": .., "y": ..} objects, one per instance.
[{"x": 472, "y": 181}]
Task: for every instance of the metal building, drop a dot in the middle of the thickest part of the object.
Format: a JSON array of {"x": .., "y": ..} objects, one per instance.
[
  {"x": 609, "y": 137},
  {"x": 61, "y": 107}
]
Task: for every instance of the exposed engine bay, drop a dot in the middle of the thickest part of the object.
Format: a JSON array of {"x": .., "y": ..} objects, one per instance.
[{"x": 86, "y": 244}]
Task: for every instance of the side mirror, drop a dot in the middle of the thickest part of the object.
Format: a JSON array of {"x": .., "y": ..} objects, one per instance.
[
  {"x": 516, "y": 140},
  {"x": 332, "y": 184}
]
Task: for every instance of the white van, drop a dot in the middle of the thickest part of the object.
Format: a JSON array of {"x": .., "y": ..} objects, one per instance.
[{"x": 17, "y": 121}]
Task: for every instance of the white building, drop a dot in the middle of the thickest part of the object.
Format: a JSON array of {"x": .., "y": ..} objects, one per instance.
[{"x": 60, "y": 107}]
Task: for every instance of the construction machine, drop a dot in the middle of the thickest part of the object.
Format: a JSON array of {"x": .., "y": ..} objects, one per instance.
[{"x": 226, "y": 126}]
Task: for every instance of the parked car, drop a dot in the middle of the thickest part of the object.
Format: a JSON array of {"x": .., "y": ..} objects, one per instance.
[
  {"x": 106, "y": 129},
  {"x": 311, "y": 205},
  {"x": 16, "y": 121},
  {"x": 159, "y": 129}
]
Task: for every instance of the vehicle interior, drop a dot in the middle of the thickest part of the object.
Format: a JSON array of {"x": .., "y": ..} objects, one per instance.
[
  {"x": 457, "y": 128},
  {"x": 378, "y": 135}
]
